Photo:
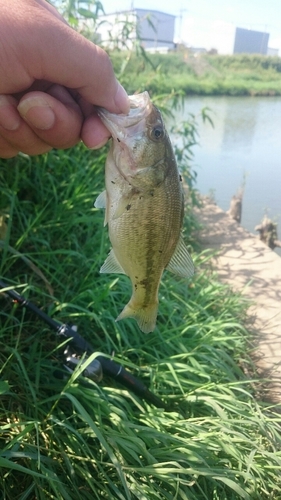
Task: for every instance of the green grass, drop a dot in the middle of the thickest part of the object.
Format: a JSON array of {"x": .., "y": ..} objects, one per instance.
[
  {"x": 240, "y": 74},
  {"x": 67, "y": 438}
]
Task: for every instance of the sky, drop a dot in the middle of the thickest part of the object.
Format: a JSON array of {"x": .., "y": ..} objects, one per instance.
[{"x": 212, "y": 23}]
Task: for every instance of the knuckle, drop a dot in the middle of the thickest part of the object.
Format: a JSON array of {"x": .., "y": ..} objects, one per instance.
[{"x": 6, "y": 150}]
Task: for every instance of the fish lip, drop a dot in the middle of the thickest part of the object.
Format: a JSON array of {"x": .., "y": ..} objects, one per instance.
[{"x": 121, "y": 126}]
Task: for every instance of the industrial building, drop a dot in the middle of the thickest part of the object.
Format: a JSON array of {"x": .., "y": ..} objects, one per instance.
[
  {"x": 153, "y": 28},
  {"x": 250, "y": 42}
]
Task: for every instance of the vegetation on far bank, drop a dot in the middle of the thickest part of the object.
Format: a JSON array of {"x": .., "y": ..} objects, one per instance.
[{"x": 204, "y": 74}]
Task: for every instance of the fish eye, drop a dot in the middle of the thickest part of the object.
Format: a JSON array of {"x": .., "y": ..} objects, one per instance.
[{"x": 157, "y": 133}]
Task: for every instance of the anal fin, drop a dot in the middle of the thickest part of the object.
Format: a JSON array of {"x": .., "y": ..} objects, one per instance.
[
  {"x": 181, "y": 263},
  {"x": 111, "y": 265}
]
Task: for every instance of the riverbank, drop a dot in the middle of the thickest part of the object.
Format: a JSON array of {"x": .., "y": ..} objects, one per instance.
[
  {"x": 250, "y": 267},
  {"x": 199, "y": 74}
]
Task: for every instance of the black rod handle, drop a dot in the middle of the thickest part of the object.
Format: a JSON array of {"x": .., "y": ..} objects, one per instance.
[{"x": 118, "y": 372}]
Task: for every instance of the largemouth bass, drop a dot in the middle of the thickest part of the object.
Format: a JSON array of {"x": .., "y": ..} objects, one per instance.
[{"x": 144, "y": 206}]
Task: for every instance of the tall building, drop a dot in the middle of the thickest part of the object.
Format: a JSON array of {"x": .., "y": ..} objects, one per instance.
[
  {"x": 153, "y": 28},
  {"x": 250, "y": 42}
]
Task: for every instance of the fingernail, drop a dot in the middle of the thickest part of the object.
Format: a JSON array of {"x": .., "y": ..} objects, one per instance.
[
  {"x": 37, "y": 113},
  {"x": 121, "y": 99},
  {"x": 9, "y": 118}
]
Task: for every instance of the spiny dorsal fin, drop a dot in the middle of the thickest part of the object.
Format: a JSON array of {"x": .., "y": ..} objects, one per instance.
[
  {"x": 181, "y": 263},
  {"x": 111, "y": 265}
]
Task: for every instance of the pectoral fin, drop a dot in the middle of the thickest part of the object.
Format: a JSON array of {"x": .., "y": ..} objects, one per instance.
[
  {"x": 101, "y": 202},
  {"x": 181, "y": 263},
  {"x": 111, "y": 265},
  {"x": 124, "y": 204}
]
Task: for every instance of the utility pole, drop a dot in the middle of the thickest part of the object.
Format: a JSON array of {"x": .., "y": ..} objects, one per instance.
[{"x": 181, "y": 11}]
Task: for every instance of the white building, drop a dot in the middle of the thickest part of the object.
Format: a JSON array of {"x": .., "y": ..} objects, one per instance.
[
  {"x": 272, "y": 52},
  {"x": 153, "y": 28}
]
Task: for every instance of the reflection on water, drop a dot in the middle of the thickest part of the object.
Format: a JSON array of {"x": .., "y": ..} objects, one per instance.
[
  {"x": 245, "y": 143},
  {"x": 238, "y": 126}
]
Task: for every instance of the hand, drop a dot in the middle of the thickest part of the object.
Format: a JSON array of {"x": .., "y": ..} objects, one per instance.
[{"x": 50, "y": 79}]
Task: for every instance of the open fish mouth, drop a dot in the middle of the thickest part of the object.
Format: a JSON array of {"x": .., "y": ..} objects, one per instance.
[{"x": 122, "y": 126}]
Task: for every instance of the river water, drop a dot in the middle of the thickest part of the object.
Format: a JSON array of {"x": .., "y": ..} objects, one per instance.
[{"x": 243, "y": 146}]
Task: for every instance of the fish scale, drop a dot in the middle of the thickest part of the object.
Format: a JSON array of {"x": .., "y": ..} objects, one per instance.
[{"x": 144, "y": 207}]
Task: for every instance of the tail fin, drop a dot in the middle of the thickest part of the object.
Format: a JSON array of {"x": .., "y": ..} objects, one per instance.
[{"x": 145, "y": 317}]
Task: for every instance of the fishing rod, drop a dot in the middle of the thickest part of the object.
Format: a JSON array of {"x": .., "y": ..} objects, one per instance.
[{"x": 101, "y": 364}]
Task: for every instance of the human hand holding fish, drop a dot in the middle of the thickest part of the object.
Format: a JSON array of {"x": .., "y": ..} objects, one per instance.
[
  {"x": 51, "y": 78},
  {"x": 144, "y": 207}
]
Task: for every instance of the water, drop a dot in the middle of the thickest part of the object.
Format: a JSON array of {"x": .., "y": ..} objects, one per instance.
[{"x": 244, "y": 145}]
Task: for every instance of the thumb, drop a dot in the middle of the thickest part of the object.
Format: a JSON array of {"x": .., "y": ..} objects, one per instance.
[
  {"x": 41, "y": 46},
  {"x": 83, "y": 66}
]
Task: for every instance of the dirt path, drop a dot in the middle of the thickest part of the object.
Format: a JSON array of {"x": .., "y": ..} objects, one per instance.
[{"x": 247, "y": 265}]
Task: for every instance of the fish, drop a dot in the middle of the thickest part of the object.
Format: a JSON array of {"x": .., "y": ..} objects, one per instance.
[{"x": 144, "y": 207}]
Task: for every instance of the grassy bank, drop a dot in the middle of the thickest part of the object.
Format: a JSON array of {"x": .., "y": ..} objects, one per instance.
[
  {"x": 68, "y": 439},
  {"x": 205, "y": 74}
]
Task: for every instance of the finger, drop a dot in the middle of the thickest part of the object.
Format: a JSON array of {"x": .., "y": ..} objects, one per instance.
[
  {"x": 56, "y": 119},
  {"x": 15, "y": 134},
  {"x": 6, "y": 150},
  {"x": 94, "y": 134},
  {"x": 9, "y": 117}
]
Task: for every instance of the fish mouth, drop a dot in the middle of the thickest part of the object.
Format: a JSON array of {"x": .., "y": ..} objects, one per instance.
[{"x": 122, "y": 126}]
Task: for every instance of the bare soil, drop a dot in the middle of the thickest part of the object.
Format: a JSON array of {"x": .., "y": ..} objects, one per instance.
[{"x": 250, "y": 267}]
